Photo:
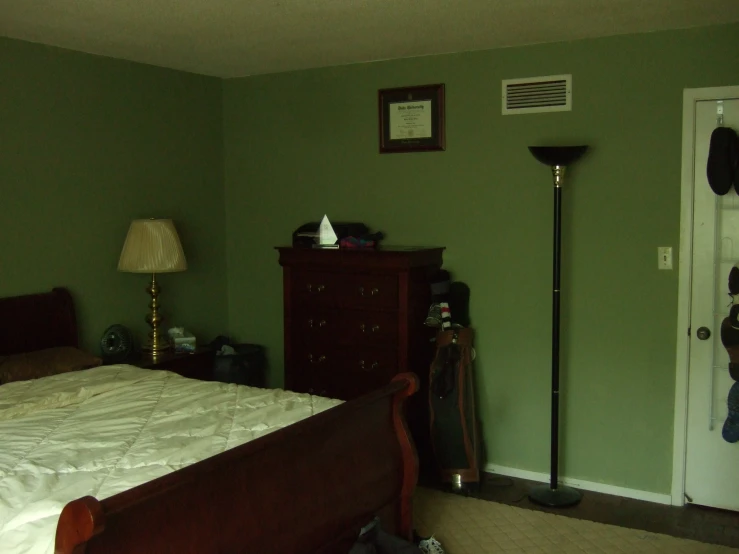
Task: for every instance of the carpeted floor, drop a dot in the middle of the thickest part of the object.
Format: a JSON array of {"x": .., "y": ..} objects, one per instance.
[{"x": 470, "y": 526}]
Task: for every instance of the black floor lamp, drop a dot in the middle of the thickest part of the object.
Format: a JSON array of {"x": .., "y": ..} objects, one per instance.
[{"x": 558, "y": 158}]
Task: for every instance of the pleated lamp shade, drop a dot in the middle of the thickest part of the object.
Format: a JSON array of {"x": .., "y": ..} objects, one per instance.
[{"x": 152, "y": 246}]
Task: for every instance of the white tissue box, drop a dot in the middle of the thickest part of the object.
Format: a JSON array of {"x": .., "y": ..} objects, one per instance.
[
  {"x": 181, "y": 340},
  {"x": 184, "y": 344}
]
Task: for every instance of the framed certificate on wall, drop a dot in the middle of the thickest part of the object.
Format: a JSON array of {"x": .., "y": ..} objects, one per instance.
[{"x": 411, "y": 119}]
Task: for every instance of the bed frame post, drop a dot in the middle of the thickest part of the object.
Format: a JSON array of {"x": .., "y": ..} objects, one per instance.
[
  {"x": 409, "y": 454},
  {"x": 79, "y": 521}
]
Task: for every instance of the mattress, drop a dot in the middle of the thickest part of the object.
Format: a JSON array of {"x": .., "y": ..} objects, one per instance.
[{"x": 104, "y": 430}]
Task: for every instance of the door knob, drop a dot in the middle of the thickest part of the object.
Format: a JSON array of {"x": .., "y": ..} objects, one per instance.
[{"x": 703, "y": 333}]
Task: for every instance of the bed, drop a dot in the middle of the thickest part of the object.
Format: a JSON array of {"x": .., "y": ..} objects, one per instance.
[{"x": 305, "y": 483}]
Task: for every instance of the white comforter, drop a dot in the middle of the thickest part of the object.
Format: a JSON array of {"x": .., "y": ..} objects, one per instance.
[{"x": 105, "y": 430}]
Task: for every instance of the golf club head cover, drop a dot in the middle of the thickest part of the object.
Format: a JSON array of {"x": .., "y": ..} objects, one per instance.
[
  {"x": 439, "y": 314},
  {"x": 441, "y": 281},
  {"x": 459, "y": 303}
]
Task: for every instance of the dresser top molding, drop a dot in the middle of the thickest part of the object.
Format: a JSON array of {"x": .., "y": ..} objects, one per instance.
[{"x": 386, "y": 257}]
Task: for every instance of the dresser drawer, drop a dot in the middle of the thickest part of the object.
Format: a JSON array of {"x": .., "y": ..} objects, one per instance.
[
  {"x": 369, "y": 291},
  {"x": 365, "y": 291},
  {"x": 316, "y": 324},
  {"x": 369, "y": 361},
  {"x": 315, "y": 287},
  {"x": 308, "y": 357},
  {"x": 365, "y": 369},
  {"x": 367, "y": 327},
  {"x": 346, "y": 358},
  {"x": 343, "y": 372},
  {"x": 312, "y": 370}
]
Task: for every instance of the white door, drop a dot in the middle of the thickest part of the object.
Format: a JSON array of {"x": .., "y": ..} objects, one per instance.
[{"x": 711, "y": 464}]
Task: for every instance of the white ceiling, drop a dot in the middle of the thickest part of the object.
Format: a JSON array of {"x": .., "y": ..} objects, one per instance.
[{"x": 233, "y": 38}]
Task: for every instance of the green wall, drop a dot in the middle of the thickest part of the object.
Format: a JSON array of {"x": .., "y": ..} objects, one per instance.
[
  {"x": 301, "y": 144},
  {"x": 88, "y": 143}
]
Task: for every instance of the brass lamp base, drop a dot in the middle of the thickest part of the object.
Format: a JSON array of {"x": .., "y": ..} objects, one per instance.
[{"x": 157, "y": 343}]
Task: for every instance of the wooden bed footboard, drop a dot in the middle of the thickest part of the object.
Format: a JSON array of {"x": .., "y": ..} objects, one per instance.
[{"x": 307, "y": 488}]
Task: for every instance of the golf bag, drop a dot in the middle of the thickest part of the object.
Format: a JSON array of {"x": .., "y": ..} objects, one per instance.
[{"x": 452, "y": 409}]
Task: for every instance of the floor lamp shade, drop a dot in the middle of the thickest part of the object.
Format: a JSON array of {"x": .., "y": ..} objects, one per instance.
[
  {"x": 153, "y": 246},
  {"x": 558, "y": 158},
  {"x": 557, "y": 155}
]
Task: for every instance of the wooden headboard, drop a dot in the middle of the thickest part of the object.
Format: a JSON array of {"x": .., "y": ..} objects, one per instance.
[{"x": 37, "y": 321}]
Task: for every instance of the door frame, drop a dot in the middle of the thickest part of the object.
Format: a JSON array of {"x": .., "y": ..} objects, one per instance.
[{"x": 682, "y": 358}]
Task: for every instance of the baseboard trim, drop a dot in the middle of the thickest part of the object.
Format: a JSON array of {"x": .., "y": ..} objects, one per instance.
[{"x": 580, "y": 484}]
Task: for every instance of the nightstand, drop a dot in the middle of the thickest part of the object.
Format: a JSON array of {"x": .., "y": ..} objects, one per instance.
[{"x": 195, "y": 365}]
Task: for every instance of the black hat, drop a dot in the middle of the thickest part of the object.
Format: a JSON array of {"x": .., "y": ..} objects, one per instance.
[
  {"x": 734, "y": 280},
  {"x": 723, "y": 160}
]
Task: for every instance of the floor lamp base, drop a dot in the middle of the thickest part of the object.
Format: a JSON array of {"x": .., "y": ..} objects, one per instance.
[{"x": 561, "y": 497}]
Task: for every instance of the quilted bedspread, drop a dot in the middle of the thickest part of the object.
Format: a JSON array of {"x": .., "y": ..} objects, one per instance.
[{"x": 107, "y": 429}]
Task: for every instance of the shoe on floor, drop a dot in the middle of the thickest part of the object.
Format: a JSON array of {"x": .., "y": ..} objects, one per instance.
[{"x": 430, "y": 546}]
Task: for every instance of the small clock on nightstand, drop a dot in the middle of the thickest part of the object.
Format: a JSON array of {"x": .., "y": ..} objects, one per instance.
[
  {"x": 195, "y": 365},
  {"x": 116, "y": 345}
]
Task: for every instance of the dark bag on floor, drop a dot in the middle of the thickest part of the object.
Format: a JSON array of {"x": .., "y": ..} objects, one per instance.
[
  {"x": 244, "y": 367},
  {"x": 376, "y": 541},
  {"x": 451, "y": 401}
]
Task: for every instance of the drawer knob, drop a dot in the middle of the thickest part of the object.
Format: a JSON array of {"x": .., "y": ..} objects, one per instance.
[
  {"x": 363, "y": 365},
  {"x": 315, "y": 288},
  {"x": 373, "y": 292},
  {"x": 372, "y": 329},
  {"x": 312, "y": 323},
  {"x": 316, "y": 360}
]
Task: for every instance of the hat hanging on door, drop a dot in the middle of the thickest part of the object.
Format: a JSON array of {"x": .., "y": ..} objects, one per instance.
[
  {"x": 722, "y": 169},
  {"x": 730, "y": 340},
  {"x": 734, "y": 280}
]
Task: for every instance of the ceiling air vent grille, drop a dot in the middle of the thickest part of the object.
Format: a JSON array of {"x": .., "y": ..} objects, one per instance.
[{"x": 537, "y": 94}]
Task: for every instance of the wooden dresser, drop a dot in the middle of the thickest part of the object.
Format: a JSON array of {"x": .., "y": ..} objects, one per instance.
[{"x": 355, "y": 318}]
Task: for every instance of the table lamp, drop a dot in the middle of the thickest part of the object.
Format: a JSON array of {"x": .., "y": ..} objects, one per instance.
[
  {"x": 558, "y": 158},
  {"x": 153, "y": 246}
]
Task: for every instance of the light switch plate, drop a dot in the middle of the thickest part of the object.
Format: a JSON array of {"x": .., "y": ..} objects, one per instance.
[{"x": 664, "y": 259}]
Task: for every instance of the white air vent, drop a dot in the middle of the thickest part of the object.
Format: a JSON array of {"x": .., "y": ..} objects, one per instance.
[{"x": 537, "y": 94}]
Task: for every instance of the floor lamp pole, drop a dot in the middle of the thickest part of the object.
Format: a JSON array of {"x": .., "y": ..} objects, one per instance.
[
  {"x": 556, "y": 264},
  {"x": 554, "y": 494}
]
